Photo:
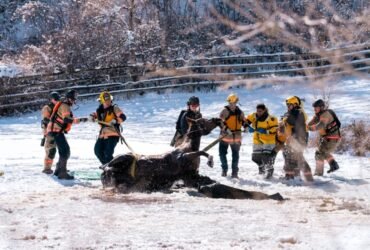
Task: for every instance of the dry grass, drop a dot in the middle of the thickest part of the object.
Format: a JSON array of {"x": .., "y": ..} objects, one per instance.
[{"x": 355, "y": 139}]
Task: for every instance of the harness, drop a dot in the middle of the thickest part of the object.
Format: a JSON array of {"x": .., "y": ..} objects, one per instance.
[
  {"x": 103, "y": 114},
  {"x": 56, "y": 118},
  {"x": 334, "y": 126}
]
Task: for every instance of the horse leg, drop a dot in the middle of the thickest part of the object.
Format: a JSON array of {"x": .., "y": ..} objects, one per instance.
[
  {"x": 193, "y": 155},
  {"x": 225, "y": 192}
]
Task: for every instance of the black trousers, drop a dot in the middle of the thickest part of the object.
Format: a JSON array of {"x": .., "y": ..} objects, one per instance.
[
  {"x": 63, "y": 150},
  {"x": 104, "y": 148},
  {"x": 62, "y": 145}
]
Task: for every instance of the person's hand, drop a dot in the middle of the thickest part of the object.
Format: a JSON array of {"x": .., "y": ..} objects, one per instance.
[
  {"x": 262, "y": 131},
  {"x": 113, "y": 122},
  {"x": 92, "y": 117},
  {"x": 250, "y": 130}
]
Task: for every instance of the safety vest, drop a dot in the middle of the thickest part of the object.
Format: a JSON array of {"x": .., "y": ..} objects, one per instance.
[
  {"x": 107, "y": 115},
  {"x": 270, "y": 124},
  {"x": 234, "y": 121},
  {"x": 332, "y": 123},
  {"x": 57, "y": 123}
]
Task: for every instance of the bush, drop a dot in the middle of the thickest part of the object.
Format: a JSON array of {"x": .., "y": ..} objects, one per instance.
[{"x": 355, "y": 139}]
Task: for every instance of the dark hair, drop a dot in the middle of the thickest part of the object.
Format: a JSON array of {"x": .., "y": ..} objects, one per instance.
[
  {"x": 318, "y": 103},
  {"x": 261, "y": 106}
]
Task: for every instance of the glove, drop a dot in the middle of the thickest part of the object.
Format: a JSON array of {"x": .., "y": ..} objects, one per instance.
[
  {"x": 91, "y": 118},
  {"x": 250, "y": 130},
  {"x": 83, "y": 119},
  {"x": 262, "y": 131}
]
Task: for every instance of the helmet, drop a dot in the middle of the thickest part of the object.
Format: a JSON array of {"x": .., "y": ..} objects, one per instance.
[
  {"x": 318, "y": 103},
  {"x": 293, "y": 100},
  {"x": 71, "y": 94},
  {"x": 193, "y": 100},
  {"x": 232, "y": 98},
  {"x": 105, "y": 96},
  {"x": 54, "y": 95}
]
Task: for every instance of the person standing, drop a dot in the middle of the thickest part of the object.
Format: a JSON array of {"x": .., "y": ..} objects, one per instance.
[
  {"x": 296, "y": 137},
  {"x": 48, "y": 142},
  {"x": 264, "y": 127},
  {"x": 233, "y": 119},
  {"x": 60, "y": 124},
  {"x": 327, "y": 123},
  {"x": 110, "y": 117},
  {"x": 182, "y": 125}
]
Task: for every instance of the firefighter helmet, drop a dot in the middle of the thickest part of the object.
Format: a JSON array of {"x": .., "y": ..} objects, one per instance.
[
  {"x": 293, "y": 100},
  {"x": 71, "y": 94},
  {"x": 105, "y": 96},
  {"x": 54, "y": 95},
  {"x": 232, "y": 98}
]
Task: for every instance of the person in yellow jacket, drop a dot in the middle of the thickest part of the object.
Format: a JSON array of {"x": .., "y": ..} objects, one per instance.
[
  {"x": 233, "y": 119},
  {"x": 264, "y": 128},
  {"x": 48, "y": 142},
  {"x": 295, "y": 134},
  {"x": 326, "y": 122},
  {"x": 61, "y": 121},
  {"x": 111, "y": 117}
]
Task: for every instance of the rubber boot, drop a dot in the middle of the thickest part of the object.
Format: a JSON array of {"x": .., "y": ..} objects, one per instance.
[
  {"x": 270, "y": 172},
  {"x": 47, "y": 166},
  {"x": 224, "y": 173},
  {"x": 62, "y": 173},
  {"x": 261, "y": 170},
  {"x": 57, "y": 168},
  {"x": 234, "y": 175},
  {"x": 308, "y": 176},
  {"x": 319, "y": 171},
  {"x": 47, "y": 171},
  {"x": 333, "y": 166}
]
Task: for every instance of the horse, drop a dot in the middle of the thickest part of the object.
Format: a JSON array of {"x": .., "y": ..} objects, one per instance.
[{"x": 131, "y": 172}]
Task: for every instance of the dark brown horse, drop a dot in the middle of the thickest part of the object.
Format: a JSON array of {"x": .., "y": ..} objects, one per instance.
[{"x": 130, "y": 172}]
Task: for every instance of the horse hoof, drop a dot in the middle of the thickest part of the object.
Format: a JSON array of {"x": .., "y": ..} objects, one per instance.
[{"x": 210, "y": 161}]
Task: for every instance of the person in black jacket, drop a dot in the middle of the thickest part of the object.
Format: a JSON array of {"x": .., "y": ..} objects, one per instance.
[{"x": 182, "y": 126}]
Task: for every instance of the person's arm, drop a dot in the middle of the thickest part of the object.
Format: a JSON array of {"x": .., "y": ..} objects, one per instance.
[
  {"x": 183, "y": 124},
  {"x": 121, "y": 117},
  {"x": 320, "y": 123}
]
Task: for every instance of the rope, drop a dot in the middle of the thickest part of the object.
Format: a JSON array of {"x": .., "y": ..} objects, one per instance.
[{"x": 136, "y": 156}]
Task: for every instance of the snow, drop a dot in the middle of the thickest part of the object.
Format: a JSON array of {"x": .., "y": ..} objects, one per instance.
[{"x": 38, "y": 211}]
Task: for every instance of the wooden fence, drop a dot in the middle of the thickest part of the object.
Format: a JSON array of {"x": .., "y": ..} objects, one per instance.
[{"x": 28, "y": 93}]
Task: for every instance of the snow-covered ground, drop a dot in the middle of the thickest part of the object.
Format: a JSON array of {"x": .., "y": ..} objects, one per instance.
[{"x": 38, "y": 211}]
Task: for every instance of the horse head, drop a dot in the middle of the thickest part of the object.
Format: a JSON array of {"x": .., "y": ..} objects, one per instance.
[{"x": 202, "y": 126}]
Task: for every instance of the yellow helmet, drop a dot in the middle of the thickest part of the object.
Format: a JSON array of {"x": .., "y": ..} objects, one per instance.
[
  {"x": 232, "y": 98},
  {"x": 105, "y": 96},
  {"x": 293, "y": 100}
]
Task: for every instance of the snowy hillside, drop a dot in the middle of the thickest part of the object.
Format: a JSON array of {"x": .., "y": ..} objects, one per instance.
[{"x": 39, "y": 212}]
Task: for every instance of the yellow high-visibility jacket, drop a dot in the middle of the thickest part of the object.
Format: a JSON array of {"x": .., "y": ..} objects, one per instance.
[{"x": 270, "y": 124}]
